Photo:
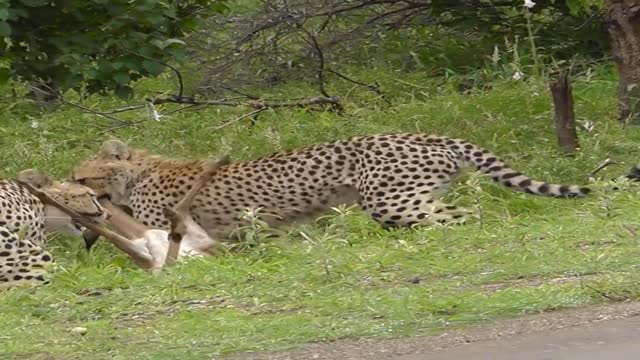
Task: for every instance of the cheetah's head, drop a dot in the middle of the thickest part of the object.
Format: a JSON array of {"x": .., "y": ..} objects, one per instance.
[
  {"x": 112, "y": 150},
  {"x": 108, "y": 173},
  {"x": 79, "y": 198}
]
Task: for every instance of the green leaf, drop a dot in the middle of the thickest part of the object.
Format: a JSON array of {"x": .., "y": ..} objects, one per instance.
[
  {"x": 5, "y": 75},
  {"x": 575, "y": 6},
  {"x": 121, "y": 78},
  {"x": 189, "y": 23},
  {"x": 117, "y": 65},
  {"x": 86, "y": 42},
  {"x": 5, "y": 29},
  {"x": 220, "y": 7},
  {"x": 154, "y": 19},
  {"x": 153, "y": 67},
  {"x": 15, "y": 14},
  {"x": 124, "y": 92}
]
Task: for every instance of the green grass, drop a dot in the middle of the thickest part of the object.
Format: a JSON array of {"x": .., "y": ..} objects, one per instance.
[{"x": 346, "y": 277}]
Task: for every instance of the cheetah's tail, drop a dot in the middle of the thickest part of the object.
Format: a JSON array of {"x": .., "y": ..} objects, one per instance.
[
  {"x": 634, "y": 173},
  {"x": 505, "y": 175}
]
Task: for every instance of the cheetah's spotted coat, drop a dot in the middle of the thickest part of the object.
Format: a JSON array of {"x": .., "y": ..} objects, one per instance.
[
  {"x": 24, "y": 220},
  {"x": 397, "y": 179}
]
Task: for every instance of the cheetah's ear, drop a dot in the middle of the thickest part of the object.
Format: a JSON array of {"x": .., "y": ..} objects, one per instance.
[
  {"x": 35, "y": 178},
  {"x": 115, "y": 150}
]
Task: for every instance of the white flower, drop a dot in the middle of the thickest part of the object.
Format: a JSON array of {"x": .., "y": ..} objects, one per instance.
[
  {"x": 34, "y": 124},
  {"x": 517, "y": 75},
  {"x": 529, "y": 4}
]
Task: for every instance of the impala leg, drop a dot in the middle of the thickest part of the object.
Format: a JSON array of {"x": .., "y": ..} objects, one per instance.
[{"x": 180, "y": 215}]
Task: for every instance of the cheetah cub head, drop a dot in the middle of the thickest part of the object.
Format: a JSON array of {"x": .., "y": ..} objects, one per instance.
[{"x": 79, "y": 198}]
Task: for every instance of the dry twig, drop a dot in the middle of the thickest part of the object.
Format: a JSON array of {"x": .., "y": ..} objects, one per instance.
[{"x": 52, "y": 92}]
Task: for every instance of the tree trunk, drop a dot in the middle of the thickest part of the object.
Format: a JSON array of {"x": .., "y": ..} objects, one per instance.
[
  {"x": 564, "y": 115},
  {"x": 623, "y": 23}
]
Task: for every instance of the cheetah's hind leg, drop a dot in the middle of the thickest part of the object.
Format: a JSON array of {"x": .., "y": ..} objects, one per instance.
[
  {"x": 423, "y": 211},
  {"x": 439, "y": 212}
]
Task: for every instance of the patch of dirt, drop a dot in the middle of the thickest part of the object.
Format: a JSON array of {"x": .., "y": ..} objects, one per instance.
[{"x": 372, "y": 348}]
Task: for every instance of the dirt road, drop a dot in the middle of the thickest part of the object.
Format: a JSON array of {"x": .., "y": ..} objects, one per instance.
[
  {"x": 609, "y": 331},
  {"x": 613, "y": 339}
]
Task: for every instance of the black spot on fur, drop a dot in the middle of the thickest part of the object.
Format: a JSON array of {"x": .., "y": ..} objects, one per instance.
[
  {"x": 634, "y": 173},
  {"x": 511, "y": 175},
  {"x": 525, "y": 183}
]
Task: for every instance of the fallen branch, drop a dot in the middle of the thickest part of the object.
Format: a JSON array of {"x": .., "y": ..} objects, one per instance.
[
  {"x": 333, "y": 102},
  {"x": 256, "y": 104}
]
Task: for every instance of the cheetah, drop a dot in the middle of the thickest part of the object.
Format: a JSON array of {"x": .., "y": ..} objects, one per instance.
[
  {"x": 397, "y": 179},
  {"x": 633, "y": 174},
  {"x": 152, "y": 249},
  {"x": 25, "y": 220}
]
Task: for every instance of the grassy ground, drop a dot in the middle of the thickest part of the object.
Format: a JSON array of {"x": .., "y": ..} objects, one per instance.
[{"x": 343, "y": 276}]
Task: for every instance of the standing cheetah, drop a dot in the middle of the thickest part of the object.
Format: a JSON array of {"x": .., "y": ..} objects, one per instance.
[{"x": 398, "y": 180}]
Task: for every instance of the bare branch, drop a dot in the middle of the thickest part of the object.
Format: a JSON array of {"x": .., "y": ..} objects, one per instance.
[
  {"x": 180, "y": 109},
  {"x": 120, "y": 126},
  {"x": 249, "y": 96},
  {"x": 313, "y": 42},
  {"x": 124, "y": 109},
  {"x": 52, "y": 92},
  {"x": 180, "y": 82},
  {"x": 375, "y": 87}
]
